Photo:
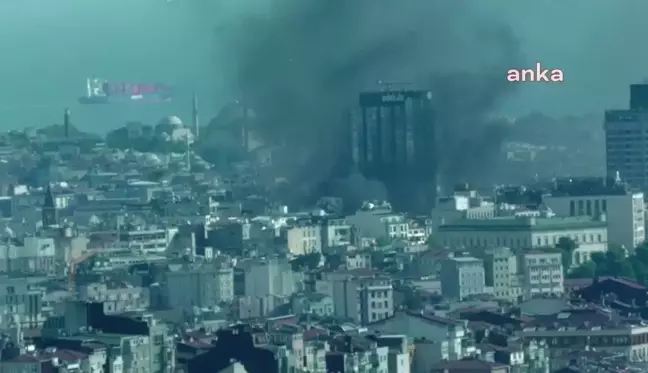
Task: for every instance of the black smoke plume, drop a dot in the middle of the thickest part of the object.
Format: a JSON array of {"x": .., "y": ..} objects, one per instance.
[{"x": 301, "y": 64}]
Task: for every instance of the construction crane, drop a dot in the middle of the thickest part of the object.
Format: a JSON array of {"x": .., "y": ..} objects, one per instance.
[{"x": 72, "y": 266}]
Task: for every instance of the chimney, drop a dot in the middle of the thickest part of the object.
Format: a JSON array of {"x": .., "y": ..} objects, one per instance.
[{"x": 66, "y": 123}]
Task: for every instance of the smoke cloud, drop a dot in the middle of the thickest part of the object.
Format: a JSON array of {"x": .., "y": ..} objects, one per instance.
[{"x": 302, "y": 63}]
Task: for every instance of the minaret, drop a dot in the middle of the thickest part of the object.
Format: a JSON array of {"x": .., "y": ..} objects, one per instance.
[
  {"x": 188, "y": 154},
  {"x": 196, "y": 118},
  {"x": 66, "y": 123}
]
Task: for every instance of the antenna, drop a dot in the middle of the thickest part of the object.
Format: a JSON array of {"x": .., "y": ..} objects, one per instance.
[{"x": 387, "y": 86}]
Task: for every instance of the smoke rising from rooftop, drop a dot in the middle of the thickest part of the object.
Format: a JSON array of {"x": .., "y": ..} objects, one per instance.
[{"x": 302, "y": 64}]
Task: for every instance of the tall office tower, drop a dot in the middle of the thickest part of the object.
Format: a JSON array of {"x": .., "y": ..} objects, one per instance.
[
  {"x": 626, "y": 140},
  {"x": 393, "y": 140},
  {"x": 66, "y": 123}
]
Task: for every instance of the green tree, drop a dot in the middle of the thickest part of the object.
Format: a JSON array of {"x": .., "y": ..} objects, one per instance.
[
  {"x": 432, "y": 242},
  {"x": 566, "y": 246},
  {"x": 585, "y": 270},
  {"x": 383, "y": 241}
]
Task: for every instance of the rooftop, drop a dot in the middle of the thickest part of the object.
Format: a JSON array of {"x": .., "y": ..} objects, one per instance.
[
  {"x": 590, "y": 186},
  {"x": 524, "y": 223}
]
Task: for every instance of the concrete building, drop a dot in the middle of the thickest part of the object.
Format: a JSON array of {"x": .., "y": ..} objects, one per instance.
[
  {"x": 626, "y": 140},
  {"x": 315, "y": 356},
  {"x": 271, "y": 276},
  {"x": 462, "y": 277},
  {"x": 464, "y": 203},
  {"x": 542, "y": 274},
  {"x": 336, "y": 232},
  {"x": 436, "y": 338},
  {"x": 356, "y": 354},
  {"x": 525, "y": 232},
  {"x": 501, "y": 273},
  {"x": 34, "y": 255},
  {"x": 376, "y": 219},
  {"x": 392, "y": 139},
  {"x": 398, "y": 358},
  {"x": 589, "y": 328},
  {"x": 304, "y": 238},
  {"x": 623, "y": 207},
  {"x": 21, "y": 302},
  {"x": 116, "y": 299},
  {"x": 149, "y": 241},
  {"x": 361, "y": 298},
  {"x": 199, "y": 284},
  {"x": 315, "y": 304}
]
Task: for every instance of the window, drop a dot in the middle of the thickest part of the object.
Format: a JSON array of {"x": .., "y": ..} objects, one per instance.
[
  {"x": 588, "y": 207},
  {"x": 572, "y": 208}
]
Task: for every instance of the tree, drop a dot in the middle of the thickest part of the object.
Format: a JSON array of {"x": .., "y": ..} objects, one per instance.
[
  {"x": 383, "y": 241},
  {"x": 585, "y": 270},
  {"x": 566, "y": 246},
  {"x": 432, "y": 243}
]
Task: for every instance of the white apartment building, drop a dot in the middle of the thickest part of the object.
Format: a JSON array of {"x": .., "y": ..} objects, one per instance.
[
  {"x": 35, "y": 255},
  {"x": 361, "y": 298},
  {"x": 624, "y": 208},
  {"x": 335, "y": 233},
  {"x": 148, "y": 241},
  {"x": 501, "y": 272},
  {"x": 315, "y": 356},
  {"x": 398, "y": 360},
  {"x": 437, "y": 332},
  {"x": 463, "y": 204},
  {"x": 542, "y": 274},
  {"x": 528, "y": 232},
  {"x": 462, "y": 277},
  {"x": 566, "y": 330},
  {"x": 304, "y": 239},
  {"x": 271, "y": 276},
  {"x": 376, "y": 219}
]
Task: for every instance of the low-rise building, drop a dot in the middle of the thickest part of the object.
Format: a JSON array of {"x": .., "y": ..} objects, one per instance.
[
  {"x": 594, "y": 196},
  {"x": 542, "y": 273},
  {"x": 528, "y": 232},
  {"x": 501, "y": 272},
  {"x": 361, "y": 298},
  {"x": 462, "y": 277},
  {"x": 316, "y": 304}
]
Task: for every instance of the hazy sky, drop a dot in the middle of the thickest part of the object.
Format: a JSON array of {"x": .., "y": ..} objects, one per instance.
[{"x": 50, "y": 47}]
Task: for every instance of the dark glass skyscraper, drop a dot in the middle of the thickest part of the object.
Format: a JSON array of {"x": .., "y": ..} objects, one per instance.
[{"x": 393, "y": 140}]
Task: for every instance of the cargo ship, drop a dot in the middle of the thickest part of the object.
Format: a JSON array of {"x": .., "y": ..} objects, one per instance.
[{"x": 102, "y": 91}]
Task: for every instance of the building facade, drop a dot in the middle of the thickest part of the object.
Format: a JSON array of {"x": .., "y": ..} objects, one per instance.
[
  {"x": 626, "y": 138},
  {"x": 462, "y": 277},
  {"x": 623, "y": 207},
  {"x": 393, "y": 140},
  {"x": 528, "y": 232}
]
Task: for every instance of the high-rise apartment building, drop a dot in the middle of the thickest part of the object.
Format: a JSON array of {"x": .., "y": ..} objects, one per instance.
[
  {"x": 393, "y": 141},
  {"x": 626, "y": 139}
]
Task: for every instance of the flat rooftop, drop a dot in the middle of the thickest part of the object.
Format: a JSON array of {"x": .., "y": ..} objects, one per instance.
[{"x": 517, "y": 223}]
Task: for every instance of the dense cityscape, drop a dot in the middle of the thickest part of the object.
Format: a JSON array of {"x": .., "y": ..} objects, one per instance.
[
  {"x": 130, "y": 252},
  {"x": 294, "y": 186}
]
